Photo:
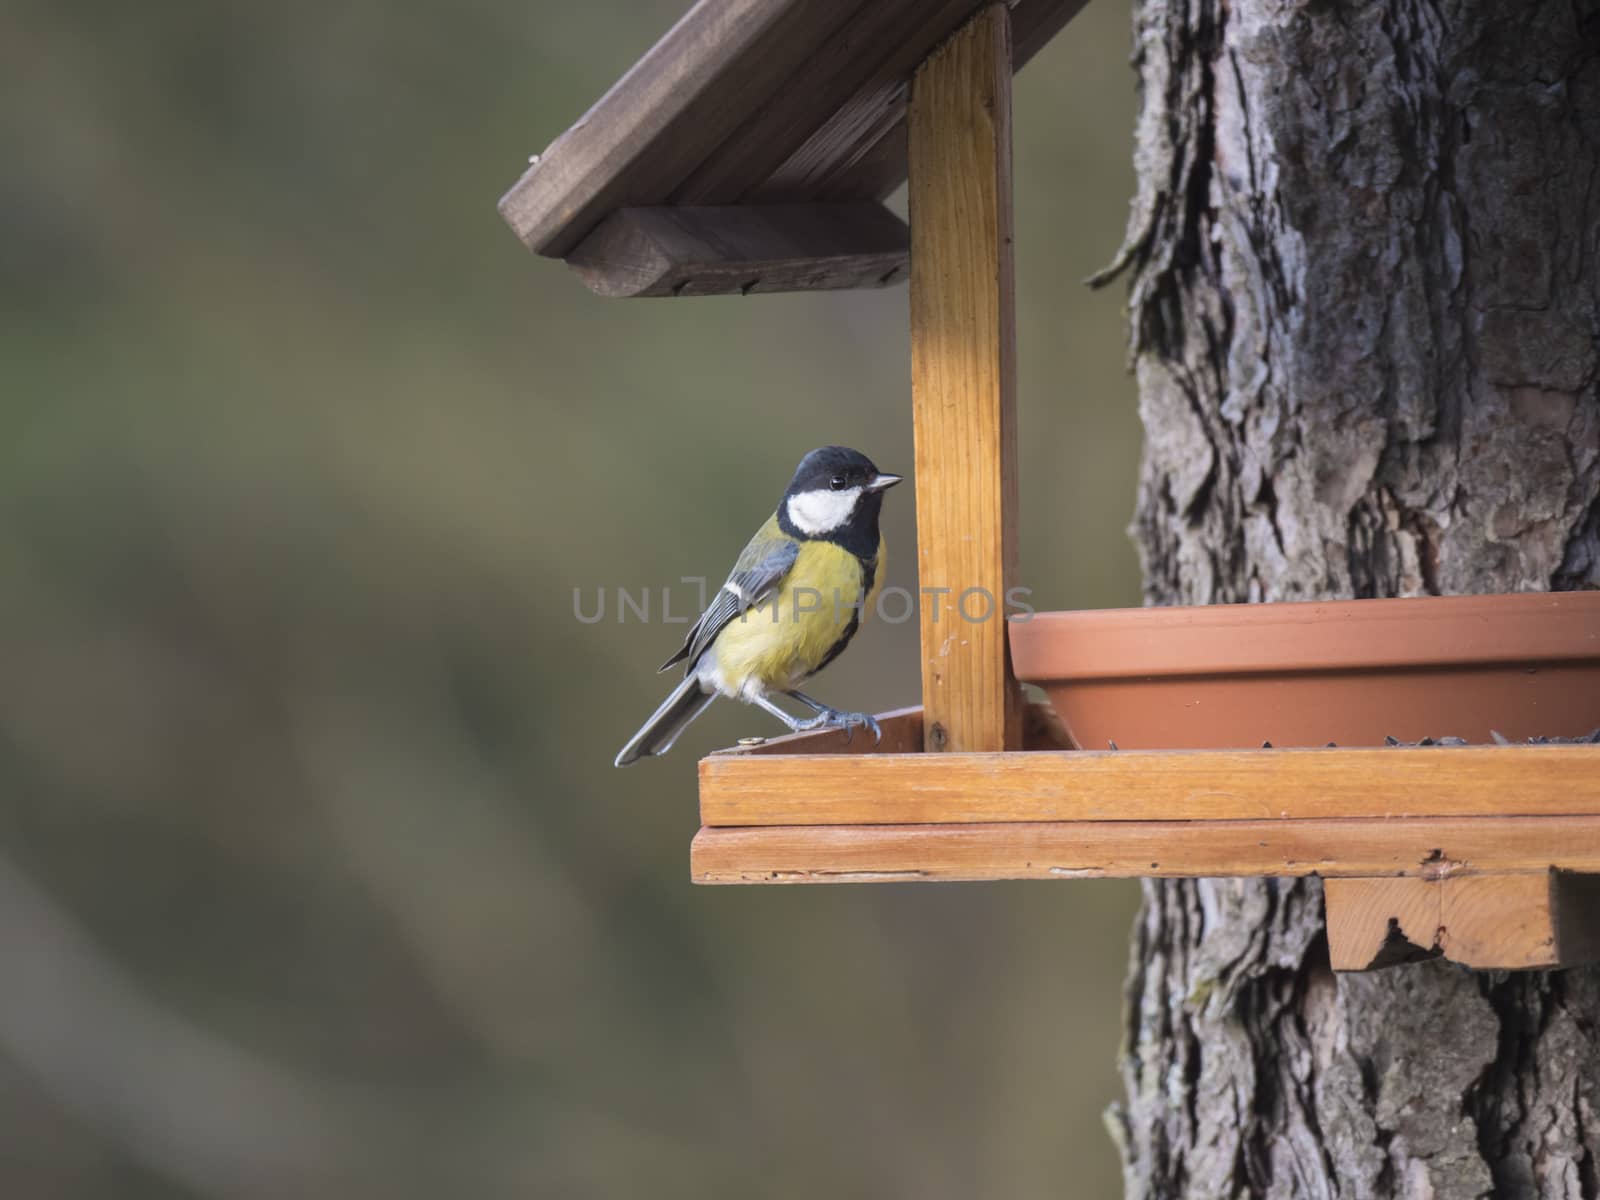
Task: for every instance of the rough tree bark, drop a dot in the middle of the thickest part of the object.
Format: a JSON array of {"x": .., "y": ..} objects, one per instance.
[{"x": 1365, "y": 259}]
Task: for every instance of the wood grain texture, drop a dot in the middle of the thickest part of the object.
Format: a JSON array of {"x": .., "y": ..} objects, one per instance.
[
  {"x": 963, "y": 385},
  {"x": 866, "y": 153},
  {"x": 743, "y": 250},
  {"x": 1505, "y": 922},
  {"x": 766, "y": 101},
  {"x": 1384, "y": 922},
  {"x": 671, "y": 110},
  {"x": 1420, "y": 848},
  {"x": 1489, "y": 921},
  {"x": 1150, "y": 785},
  {"x": 834, "y": 109},
  {"x": 835, "y": 158}
]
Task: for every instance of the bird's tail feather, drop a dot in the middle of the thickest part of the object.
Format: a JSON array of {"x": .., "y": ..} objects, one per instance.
[{"x": 662, "y": 729}]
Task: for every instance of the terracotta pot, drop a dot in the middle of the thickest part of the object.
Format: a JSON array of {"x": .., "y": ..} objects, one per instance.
[{"x": 1348, "y": 671}]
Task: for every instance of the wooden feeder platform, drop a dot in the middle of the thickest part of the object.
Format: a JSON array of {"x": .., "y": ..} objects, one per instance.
[
  {"x": 1422, "y": 849},
  {"x": 749, "y": 152}
]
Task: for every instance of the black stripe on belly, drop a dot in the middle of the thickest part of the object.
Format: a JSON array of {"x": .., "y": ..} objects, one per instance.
[{"x": 869, "y": 573}]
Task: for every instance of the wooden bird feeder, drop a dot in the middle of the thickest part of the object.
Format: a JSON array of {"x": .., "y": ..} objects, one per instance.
[{"x": 749, "y": 151}]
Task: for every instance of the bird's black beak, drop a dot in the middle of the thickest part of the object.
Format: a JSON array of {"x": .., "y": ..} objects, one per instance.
[{"x": 882, "y": 483}]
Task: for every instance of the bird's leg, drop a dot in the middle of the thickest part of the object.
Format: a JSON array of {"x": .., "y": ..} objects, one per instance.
[
  {"x": 794, "y": 723},
  {"x": 828, "y": 717}
]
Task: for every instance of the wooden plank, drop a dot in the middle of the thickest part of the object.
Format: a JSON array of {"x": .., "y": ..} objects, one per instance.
[
  {"x": 963, "y": 385},
  {"x": 1505, "y": 922},
  {"x": 873, "y": 171},
  {"x": 741, "y": 250},
  {"x": 723, "y": 60},
  {"x": 863, "y": 156},
  {"x": 1490, "y": 921},
  {"x": 839, "y": 136},
  {"x": 1149, "y": 785},
  {"x": 1420, "y": 847},
  {"x": 840, "y": 96}
]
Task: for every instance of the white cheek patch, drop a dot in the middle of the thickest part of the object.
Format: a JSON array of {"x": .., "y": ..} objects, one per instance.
[{"x": 823, "y": 510}]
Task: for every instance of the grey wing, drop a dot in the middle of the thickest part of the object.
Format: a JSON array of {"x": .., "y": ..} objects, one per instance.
[{"x": 759, "y": 569}]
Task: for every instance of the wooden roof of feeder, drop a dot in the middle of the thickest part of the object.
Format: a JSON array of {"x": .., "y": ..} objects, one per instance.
[{"x": 750, "y": 149}]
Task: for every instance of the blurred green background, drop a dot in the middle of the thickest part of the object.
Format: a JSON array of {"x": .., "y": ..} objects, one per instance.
[{"x": 315, "y": 876}]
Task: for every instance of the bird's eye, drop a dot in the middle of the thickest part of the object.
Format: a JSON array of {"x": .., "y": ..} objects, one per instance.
[{"x": 837, "y": 483}]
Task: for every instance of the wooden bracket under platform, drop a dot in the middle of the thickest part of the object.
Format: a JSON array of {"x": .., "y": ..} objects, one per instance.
[{"x": 1533, "y": 920}]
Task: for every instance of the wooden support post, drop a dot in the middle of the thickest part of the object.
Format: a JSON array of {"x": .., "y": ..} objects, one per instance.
[
  {"x": 963, "y": 384},
  {"x": 1508, "y": 922}
]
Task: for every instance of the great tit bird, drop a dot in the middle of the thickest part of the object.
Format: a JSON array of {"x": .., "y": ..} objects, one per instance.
[{"x": 794, "y": 600}]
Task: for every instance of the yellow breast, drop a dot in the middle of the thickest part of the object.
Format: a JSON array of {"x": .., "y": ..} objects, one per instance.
[{"x": 778, "y": 643}]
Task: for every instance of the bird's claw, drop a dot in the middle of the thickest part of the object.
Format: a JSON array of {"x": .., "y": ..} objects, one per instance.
[
  {"x": 862, "y": 720},
  {"x": 849, "y": 722}
]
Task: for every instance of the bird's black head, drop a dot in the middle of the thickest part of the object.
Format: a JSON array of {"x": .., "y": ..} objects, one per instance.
[{"x": 835, "y": 496}]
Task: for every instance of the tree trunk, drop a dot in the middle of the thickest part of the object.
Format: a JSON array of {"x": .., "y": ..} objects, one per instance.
[{"x": 1366, "y": 328}]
